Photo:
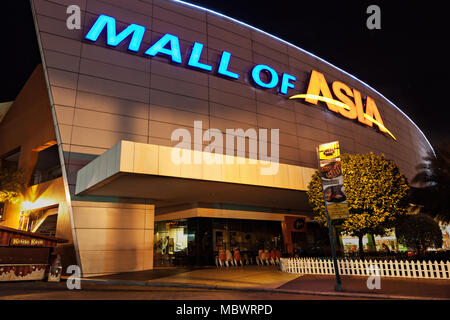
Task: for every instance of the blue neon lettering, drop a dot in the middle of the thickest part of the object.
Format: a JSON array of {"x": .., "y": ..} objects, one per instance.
[
  {"x": 195, "y": 57},
  {"x": 256, "y": 73},
  {"x": 285, "y": 84},
  {"x": 169, "y": 45},
  {"x": 114, "y": 39},
  {"x": 159, "y": 47},
  {"x": 223, "y": 66}
]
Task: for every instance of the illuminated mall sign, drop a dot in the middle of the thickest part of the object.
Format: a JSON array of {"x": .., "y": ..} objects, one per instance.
[
  {"x": 318, "y": 90},
  {"x": 261, "y": 75}
]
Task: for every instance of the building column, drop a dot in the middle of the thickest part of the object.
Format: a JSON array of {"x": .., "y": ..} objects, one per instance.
[
  {"x": 113, "y": 237},
  {"x": 287, "y": 238}
]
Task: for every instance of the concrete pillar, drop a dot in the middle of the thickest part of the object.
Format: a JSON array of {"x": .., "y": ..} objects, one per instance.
[
  {"x": 113, "y": 237},
  {"x": 287, "y": 238}
]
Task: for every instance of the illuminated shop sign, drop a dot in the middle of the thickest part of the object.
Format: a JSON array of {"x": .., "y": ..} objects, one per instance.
[
  {"x": 318, "y": 90},
  {"x": 27, "y": 242},
  {"x": 262, "y": 76}
]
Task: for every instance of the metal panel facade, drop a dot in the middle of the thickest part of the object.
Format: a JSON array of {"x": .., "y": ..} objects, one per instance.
[{"x": 102, "y": 94}]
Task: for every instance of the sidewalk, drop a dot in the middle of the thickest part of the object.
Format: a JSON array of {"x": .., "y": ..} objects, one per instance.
[
  {"x": 399, "y": 287},
  {"x": 271, "y": 279}
]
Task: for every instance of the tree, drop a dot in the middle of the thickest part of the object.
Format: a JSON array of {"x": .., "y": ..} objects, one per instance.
[
  {"x": 376, "y": 191},
  {"x": 11, "y": 185},
  {"x": 419, "y": 232},
  {"x": 433, "y": 177}
]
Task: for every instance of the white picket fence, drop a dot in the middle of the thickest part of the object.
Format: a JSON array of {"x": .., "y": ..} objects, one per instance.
[{"x": 406, "y": 269}]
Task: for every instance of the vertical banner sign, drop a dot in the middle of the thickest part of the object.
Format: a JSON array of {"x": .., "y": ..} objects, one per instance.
[
  {"x": 333, "y": 194},
  {"x": 332, "y": 180}
]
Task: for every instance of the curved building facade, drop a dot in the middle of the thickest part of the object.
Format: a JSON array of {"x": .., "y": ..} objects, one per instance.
[{"x": 139, "y": 79}]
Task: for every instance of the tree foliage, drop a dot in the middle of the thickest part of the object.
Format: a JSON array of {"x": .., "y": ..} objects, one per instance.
[
  {"x": 419, "y": 232},
  {"x": 433, "y": 178},
  {"x": 376, "y": 191},
  {"x": 11, "y": 185}
]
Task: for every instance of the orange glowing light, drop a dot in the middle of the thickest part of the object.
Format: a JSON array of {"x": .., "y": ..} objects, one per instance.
[
  {"x": 343, "y": 93},
  {"x": 318, "y": 90},
  {"x": 380, "y": 125},
  {"x": 318, "y": 87},
  {"x": 320, "y": 98},
  {"x": 360, "y": 108}
]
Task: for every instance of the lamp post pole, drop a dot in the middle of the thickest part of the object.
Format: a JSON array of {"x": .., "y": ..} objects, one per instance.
[{"x": 338, "y": 285}]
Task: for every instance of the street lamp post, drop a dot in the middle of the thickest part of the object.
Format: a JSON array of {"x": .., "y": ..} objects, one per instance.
[
  {"x": 338, "y": 285},
  {"x": 326, "y": 154}
]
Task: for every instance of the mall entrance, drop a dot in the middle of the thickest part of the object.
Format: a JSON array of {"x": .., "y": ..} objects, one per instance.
[{"x": 197, "y": 241}]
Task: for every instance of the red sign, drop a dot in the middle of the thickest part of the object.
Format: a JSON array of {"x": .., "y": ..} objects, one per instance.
[{"x": 295, "y": 224}]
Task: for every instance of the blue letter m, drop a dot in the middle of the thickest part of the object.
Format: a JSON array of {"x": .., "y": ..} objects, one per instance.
[{"x": 114, "y": 39}]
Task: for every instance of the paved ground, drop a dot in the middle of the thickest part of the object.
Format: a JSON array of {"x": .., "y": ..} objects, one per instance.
[
  {"x": 241, "y": 283},
  {"x": 148, "y": 274},
  {"x": 269, "y": 277},
  {"x": 389, "y": 286},
  {"x": 89, "y": 291}
]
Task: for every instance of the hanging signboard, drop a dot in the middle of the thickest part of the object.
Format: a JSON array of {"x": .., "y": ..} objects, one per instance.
[
  {"x": 21, "y": 242},
  {"x": 332, "y": 180}
]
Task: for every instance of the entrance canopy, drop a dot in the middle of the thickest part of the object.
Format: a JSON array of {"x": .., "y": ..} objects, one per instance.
[{"x": 140, "y": 170}]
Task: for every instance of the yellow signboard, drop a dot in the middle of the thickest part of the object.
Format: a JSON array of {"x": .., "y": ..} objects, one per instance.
[
  {"x": 338, "y": 210},
  {"x": 329, "y": 150}
]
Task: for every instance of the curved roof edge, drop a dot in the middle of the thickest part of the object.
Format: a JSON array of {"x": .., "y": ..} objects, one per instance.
[{"x": 309, "y": 53}]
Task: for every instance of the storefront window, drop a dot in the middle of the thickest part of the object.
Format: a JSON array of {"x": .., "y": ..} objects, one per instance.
[
  {"x": 246, "y": 235},
  {"x": 196, "y": 241},
  {"x": 171, "y": 243},
  {"x": 445, "y": 236}
]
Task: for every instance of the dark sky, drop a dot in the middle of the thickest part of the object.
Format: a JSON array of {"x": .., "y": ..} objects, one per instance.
[{"x": 406, "y": 60}]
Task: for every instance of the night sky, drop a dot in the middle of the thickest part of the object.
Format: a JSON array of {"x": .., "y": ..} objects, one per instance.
[{"x": 406, "y": 60}]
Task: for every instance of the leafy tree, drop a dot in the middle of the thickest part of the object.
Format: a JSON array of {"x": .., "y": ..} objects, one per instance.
[
  {"x": 419, "y": 232},
  {"x": 376, "y": 191},
  {"x": 434, "y": 180},
  {"x": 11, "y": 185}
]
